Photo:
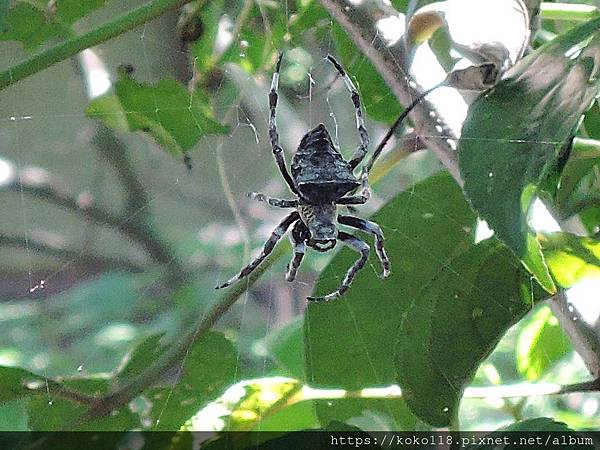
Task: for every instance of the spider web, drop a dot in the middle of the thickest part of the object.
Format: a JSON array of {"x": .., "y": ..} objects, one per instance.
[{"x": 50, "y": 131}]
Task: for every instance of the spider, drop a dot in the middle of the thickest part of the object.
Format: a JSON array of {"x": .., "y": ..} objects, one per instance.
[{"x": 321, "y": 179}]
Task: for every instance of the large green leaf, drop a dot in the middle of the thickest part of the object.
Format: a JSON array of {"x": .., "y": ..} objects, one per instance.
[
  {"x": 541, "y": 344},
  {"x": 174, "y": 117},
  {"x": 455, "y": 322},
  {"x": 33, "y": 22},
  {"x": 208, "y": 368},
  {"x": 512, "y": 137},
  {"x": 437, "y": 273}
]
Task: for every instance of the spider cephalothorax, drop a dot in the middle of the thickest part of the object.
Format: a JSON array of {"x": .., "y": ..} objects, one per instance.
[{"x": 321, "y": 179}]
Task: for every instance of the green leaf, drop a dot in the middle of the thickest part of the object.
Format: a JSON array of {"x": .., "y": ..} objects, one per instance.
[
  {"x": 591, "y": 121},
  {"x": 13, "y": 416},
  {"x": 537, "y": 424},
  {"x": 571, "y": 258},
  {"x": 379, "y": 103},
  {"x": 254, "y": 47},
  {"x": 3, "y": 15},
  {"x": 310, "y": 13},
  {"x": 51, "y": 412},
  {"x": 14, "y": 383},
  {"x": 369, "y": 413},
  {"x": 208, "y": 368},
  {"x": 508, "y": 147},
  {"x": 204, "y": 47},
  {"x": 33, "y": 22},
  {"x": 286, "y": 345},
  {"x": 519, "y": 430},
  {"x": 175, "y": 118},
  {"x": 429, "y": 238},
  {"x": 578, "y": 191},
  {"x": 140, "y": 357},
  {"x": 484, "y": 291},
  {"x": 56, "y": 413},
  {"x": 541, "y": 344},
  {"x": 441, "y": 45}
]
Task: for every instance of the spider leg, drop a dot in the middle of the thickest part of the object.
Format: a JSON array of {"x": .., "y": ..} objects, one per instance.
[
  {"x": 297, "y": 239},
  {"x": 360, "y": 121},
  {"x": 363, "y": 197},
  {"x": 374, "y": 229},
  {"x": 355, "y": 244},
  {"x": 268, "y": 248},
  {"x": 279, "y": 203},
  {"x": 273, "y": 134},
  {"x": 395, "y": 126}
]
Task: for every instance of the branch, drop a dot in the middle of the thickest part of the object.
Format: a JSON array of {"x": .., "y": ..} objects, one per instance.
[
  {"x": 110, "y": 147},
  {"x": 53, "y": 249},
  {"x": 360, "y": 23},
  {"x": 58, "y": 389},
  {"x": 583, "y": 337},
  {"x": 177, "y": 352},
  {"x": 40, "y": 184},
  {"x": 74, "y": 45}
]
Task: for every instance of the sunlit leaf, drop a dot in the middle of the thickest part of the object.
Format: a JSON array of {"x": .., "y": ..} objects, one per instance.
[
  {"x": 541, "y": 344},
  {"x": 438, "y": 273},
  {"x": 174, "y": 117},
  {"x": 34, "y": 22},
  {"x": 208, "y": 368},
  {"x": 571, "y": 258},
  {"x": 509, "y": 147}
]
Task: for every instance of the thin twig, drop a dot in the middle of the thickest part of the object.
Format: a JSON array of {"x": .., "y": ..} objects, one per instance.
[
  {"x": 58, "y": 389},
  {"x": 59, "y": 251},
  {"x": 110, "y": 147},
  {"x": 43, "y": 187}
]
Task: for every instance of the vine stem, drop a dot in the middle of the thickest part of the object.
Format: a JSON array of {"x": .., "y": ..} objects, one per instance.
[{"x": 76, "y": 44}]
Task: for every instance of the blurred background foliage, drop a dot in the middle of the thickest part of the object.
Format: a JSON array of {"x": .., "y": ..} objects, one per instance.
[{"x": 123, "y": 174}]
